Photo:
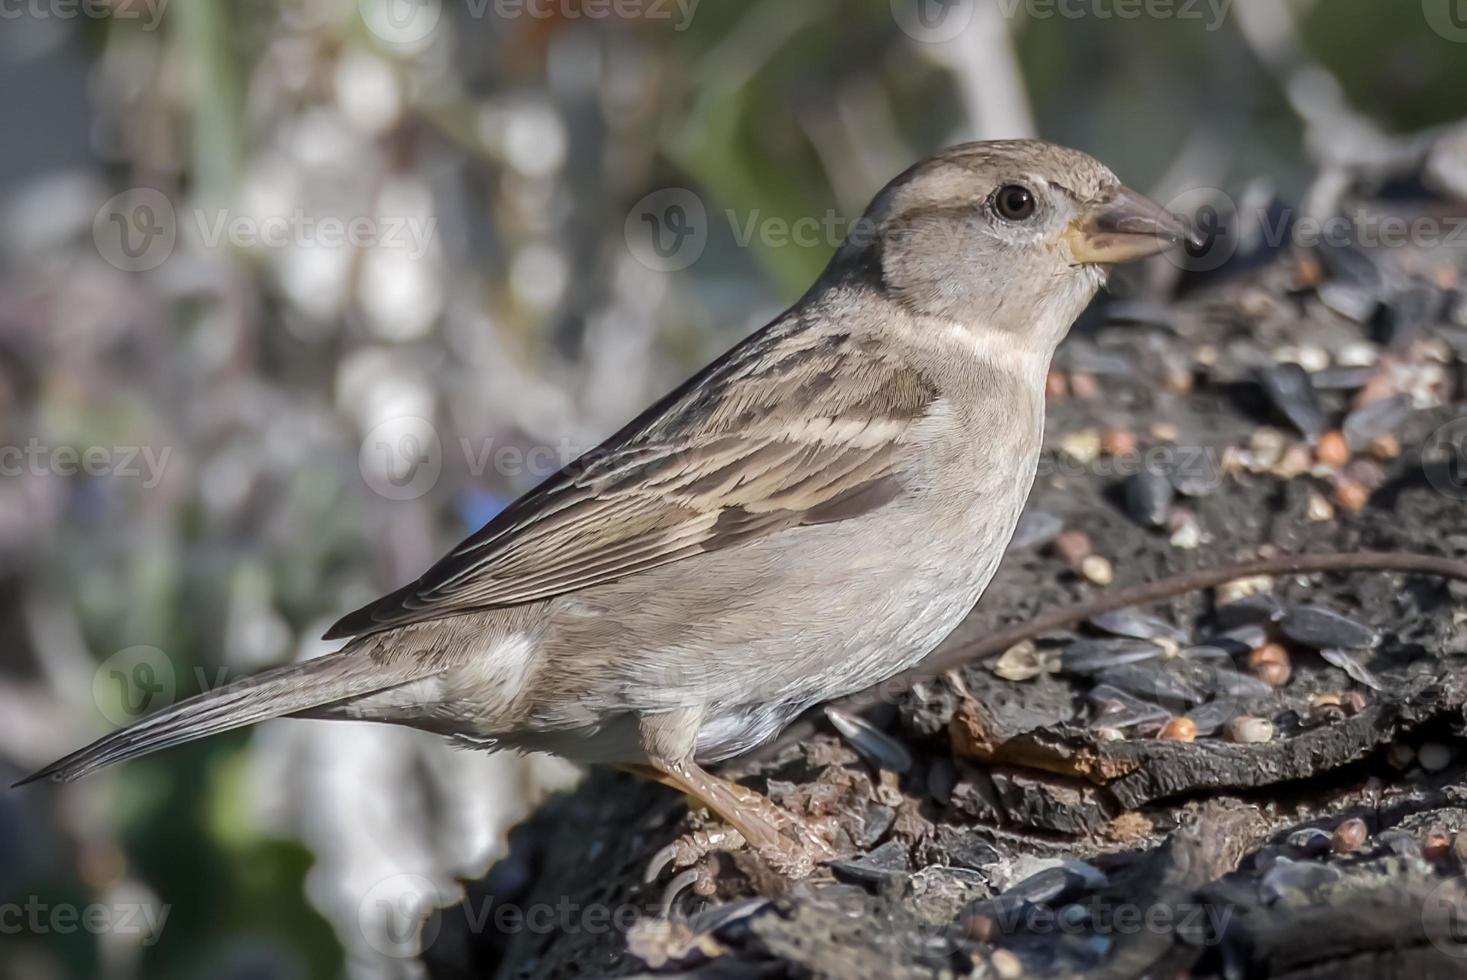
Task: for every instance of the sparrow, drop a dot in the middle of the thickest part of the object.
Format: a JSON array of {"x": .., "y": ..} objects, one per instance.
[{"x": 809, "y": 515}]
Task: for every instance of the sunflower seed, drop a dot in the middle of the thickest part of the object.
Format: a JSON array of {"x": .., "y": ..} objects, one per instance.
[
  {"x": 878, "y": 748},
  {"x": 1138, "y": 626},
  {"x": 1318, "y": 627},
  {"x": 1349, "y": 301},
  {"x": 1261, "y": 607},
  {"x": 1379, "y": 418},
  {"x": 1035, "y": 528},
  {"x": 890, "y": 860},
  {"x": 1149, "y": 498},
  {"x": 1086, "y": 657},
  {"x": 1357, "y": 671},
  {"x": 1210, "y": 651},
  {"x": 1342, "y": 378},
  {"x": 1209, "y": 718},
  {"x": 1150, "y": 680},
  {"x": 1288, "y": 387},
  {"x": 1117, "y": 709},
  {"x": 1233, "y": 684}
]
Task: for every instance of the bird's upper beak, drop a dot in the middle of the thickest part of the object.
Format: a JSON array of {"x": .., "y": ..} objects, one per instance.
[{"x": 1124, "y": 227}]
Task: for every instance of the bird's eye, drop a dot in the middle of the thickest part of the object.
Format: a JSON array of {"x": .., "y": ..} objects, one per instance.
[{"x": 1014, "y": 202}]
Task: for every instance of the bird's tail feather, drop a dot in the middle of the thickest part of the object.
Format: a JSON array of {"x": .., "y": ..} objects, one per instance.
[{"x": 272, "y": 694}]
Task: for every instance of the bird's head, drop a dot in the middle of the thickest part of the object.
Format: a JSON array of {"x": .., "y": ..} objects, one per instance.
[{"x": 1014, "y": 236}]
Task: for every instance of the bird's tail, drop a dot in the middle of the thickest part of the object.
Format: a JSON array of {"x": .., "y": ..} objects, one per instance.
[{"x": 272, "y": 694}]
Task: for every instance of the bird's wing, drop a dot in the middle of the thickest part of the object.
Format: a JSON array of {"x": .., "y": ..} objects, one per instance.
[{"x": 792, "y": 427}]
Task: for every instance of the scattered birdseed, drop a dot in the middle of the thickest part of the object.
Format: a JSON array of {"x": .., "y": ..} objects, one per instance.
[{"x": 1349, "y": 836}]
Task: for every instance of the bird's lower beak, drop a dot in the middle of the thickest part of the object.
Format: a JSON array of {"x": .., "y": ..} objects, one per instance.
[{"x": 1123, "y": 228}]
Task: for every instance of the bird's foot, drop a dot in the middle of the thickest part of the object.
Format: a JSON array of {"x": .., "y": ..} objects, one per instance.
[{"x": 789, "y": 845}]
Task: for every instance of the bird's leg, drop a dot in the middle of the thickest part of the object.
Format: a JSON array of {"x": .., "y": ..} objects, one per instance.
[{"x": 753, "y": 817}]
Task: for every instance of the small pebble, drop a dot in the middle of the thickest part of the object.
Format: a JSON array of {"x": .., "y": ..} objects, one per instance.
[
  {"x": 1354, "y": 702},
  {"x": 1270, "y": 663},
  {"x": 1165, "y": 431},
  {"x": 1248, "y": 730},
  {"x": 1349, "y": 836},
  {"x": 1332, "y": 449},
  {"x": 1056, "y": 388},
  {"x": 1098, "y": 570},
  {"x": 1179, "y": 730},
  {"x": 1434, "y": 756},
  {"x": 1400, "y": 755}
]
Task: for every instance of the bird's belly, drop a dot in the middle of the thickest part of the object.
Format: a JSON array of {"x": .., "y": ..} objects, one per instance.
[{"x": 763, "y": 632}]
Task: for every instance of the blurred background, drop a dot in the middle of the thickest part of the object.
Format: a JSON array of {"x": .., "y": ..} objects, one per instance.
[{"x": 295, "y": 294}]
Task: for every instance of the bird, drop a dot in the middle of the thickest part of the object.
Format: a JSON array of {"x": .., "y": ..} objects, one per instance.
[{"x": 807, "y": 516}]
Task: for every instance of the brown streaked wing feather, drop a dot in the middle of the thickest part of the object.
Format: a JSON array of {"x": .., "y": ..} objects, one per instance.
[{"x": 759, "y": 442}]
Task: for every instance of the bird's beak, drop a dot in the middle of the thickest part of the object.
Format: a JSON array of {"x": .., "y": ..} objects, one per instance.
[{"x": 1124, "y": 227}]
